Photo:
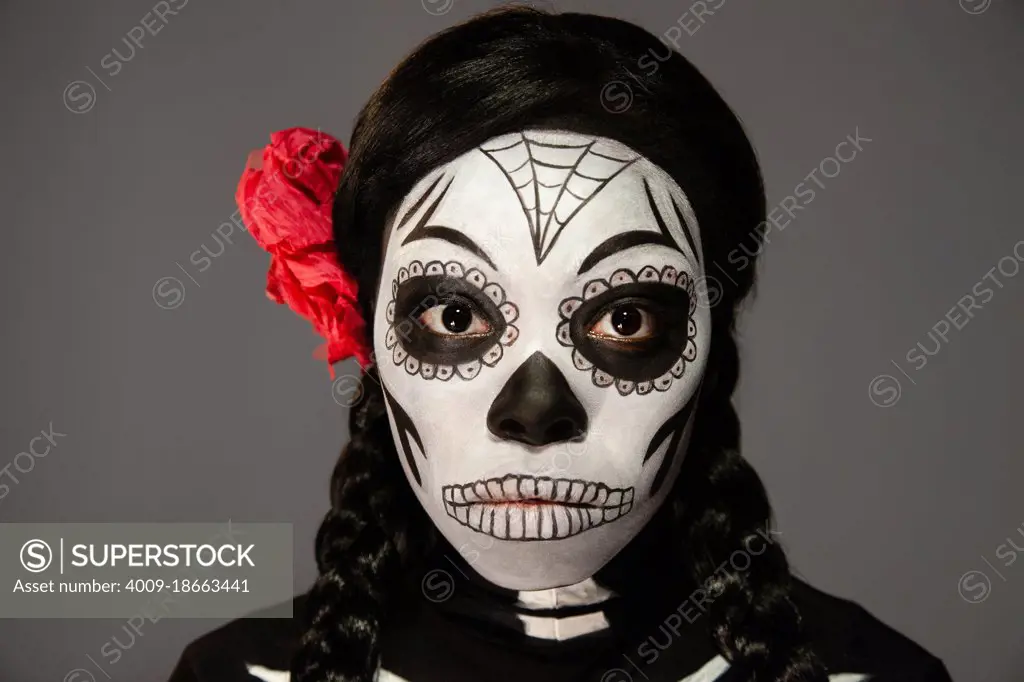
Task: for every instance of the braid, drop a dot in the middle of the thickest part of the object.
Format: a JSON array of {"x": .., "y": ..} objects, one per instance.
[
  {"x": 750, "y": 614},
  {"x": 361, "y": 548}
]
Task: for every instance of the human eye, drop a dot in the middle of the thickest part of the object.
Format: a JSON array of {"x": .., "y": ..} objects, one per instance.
[
  {"x": 635, "y": 330},
  {"x": 445, "y": 317},
  {"x": 626, "y": 322},
  {"x": 457, "y": 317}
]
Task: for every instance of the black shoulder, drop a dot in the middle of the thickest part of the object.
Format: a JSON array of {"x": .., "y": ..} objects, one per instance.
[
  {"x": 851, "y": 640},
  {"x": 225, "y": 654}
]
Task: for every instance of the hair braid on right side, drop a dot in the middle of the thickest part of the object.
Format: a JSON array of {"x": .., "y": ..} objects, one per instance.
[{"x": 750, "y": 614}]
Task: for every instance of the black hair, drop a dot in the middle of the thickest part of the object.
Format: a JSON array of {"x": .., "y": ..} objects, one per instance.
[{"x": 506, "y": 71}]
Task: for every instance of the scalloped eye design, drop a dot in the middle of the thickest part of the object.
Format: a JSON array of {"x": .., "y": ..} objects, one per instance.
[
  {"x": 493, "y": 291},
  {"x": 668, "y": 275}
]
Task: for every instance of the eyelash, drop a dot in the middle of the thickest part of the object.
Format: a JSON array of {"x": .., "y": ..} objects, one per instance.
[
  {"x": 442, "y": 308},
  {"x": 647, "y": 318},
  {"x": 652, "y": 362},
  {"x": 425, "y": 348}
]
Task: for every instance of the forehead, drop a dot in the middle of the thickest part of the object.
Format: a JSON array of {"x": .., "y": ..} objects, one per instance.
[{"x": 548, "y": 197}]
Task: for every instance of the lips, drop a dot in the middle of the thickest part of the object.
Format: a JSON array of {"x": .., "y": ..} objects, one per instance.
[{"x": 535, "y": 508}]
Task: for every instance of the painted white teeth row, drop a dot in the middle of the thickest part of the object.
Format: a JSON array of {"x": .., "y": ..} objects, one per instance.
[
  {"x": 513, "y": 487},
  {"x": 533, "y": 522}
]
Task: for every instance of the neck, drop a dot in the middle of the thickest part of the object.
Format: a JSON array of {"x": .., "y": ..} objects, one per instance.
[
  {"x": 584, "y": 593},
  {"x": 563, "y": 613},
  {"x": 556, "y": 614}
]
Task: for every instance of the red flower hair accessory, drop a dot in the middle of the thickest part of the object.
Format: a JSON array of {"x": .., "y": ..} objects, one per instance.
[{"x": 285, "y": 196}]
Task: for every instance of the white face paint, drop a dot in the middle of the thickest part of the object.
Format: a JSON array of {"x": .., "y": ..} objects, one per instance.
[{"x": 541, "y": 332}]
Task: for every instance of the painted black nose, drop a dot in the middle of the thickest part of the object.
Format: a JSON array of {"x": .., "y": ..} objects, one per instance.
[{"x": 536, "y": 406}]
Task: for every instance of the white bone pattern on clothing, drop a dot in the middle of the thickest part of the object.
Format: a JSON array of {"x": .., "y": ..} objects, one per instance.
[{"x": 710, "y": 672}]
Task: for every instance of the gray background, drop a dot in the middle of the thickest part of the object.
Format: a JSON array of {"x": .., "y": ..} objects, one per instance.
[{"x": 215, "y": 409}]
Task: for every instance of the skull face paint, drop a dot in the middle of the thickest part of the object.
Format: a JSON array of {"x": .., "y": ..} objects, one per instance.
[{"x": 541, "y": 339}]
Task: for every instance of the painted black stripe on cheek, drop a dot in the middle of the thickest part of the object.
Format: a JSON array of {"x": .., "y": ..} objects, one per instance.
[
  {"x": 676, "y": 425},
  {"x": 406, "y": 428},
  {"x": 660, "y": 435}
]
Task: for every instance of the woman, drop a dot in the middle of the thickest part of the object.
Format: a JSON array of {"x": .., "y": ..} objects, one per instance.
[{"x": 544, "y": 479}]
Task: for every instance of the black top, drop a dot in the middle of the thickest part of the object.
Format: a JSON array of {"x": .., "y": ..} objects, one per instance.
[{"x": 480, "y": 632}]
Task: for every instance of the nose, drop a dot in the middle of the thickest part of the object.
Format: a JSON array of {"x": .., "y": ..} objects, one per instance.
[{"x": 536, "y": 406}]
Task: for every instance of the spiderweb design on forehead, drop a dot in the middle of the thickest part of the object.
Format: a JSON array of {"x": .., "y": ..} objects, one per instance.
[{"x": 554, "y": 181}]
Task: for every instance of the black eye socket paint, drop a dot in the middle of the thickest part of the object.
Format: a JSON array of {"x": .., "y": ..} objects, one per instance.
[
  {"x": 431, "y": 354},
  {"x": 641, "y": 360},
  {"x": 640, "y": 366}
]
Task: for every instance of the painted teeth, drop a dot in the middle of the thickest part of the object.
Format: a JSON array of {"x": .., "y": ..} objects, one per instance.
[
  {"x": 575, "y": 520},
  {"x": 499, "y": 528},
  {"x": 544, "y": 488},
  {"x": 528, "y": 487},
  {"x": 562, "y": 491},
  {"x": 480, "y": 506},
  {"x": 532, "y": 527},
  {"x": 510, "y": 487},
  {"x": 547, "y": 526}
]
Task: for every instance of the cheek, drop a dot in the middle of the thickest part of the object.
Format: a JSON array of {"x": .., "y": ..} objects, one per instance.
[
  {"x": 438, "y": 417},
  {"x": 636, "y": 438}
]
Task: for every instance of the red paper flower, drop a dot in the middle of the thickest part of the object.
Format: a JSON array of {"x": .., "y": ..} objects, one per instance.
[{"x": 285, "y": 199}]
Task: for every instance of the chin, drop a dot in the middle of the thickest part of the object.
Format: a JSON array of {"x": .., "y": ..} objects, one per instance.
[
  {"x": 536, "y": 565},
  {"x": 534, "y": 577}
]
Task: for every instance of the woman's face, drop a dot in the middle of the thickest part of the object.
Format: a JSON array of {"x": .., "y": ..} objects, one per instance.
[{"x": 541, "y": 333}]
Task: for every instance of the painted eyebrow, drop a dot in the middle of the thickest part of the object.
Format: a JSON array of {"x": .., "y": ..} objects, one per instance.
[
  {"x": 623, "y": 241},
  {"x": 452, "y": 236},
  {"x": 424, "y": 230},
  {"x": 627, "y": 240}
]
